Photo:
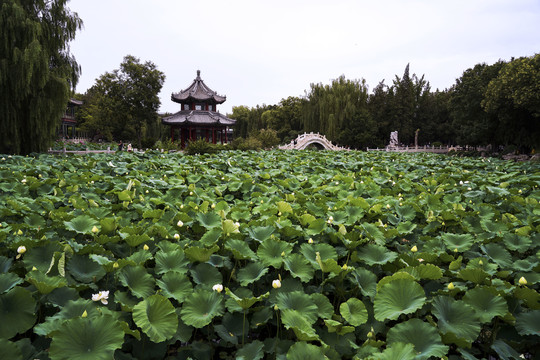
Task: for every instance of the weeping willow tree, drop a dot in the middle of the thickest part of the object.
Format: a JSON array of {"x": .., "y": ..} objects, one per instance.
[{"x": 37, "y": 71}]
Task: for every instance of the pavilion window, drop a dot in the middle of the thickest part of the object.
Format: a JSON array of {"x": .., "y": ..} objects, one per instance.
[
  {"x": 186, "y": 106},
  {"x": 198, "y": 107},
  {"x": 211, "y": 107}
]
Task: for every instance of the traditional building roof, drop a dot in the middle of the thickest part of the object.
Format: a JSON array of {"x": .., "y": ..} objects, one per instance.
[
  {"x": 198, "y": 91},
  {"x": 198, "y": 118}
]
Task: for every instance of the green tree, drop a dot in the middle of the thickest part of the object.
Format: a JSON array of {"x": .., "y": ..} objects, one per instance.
[
  {"x": 513, "y": 97},
  {"x": 128, "y": 99},
  {"x": 36, "y": 70},
  {"x": 473, "y": 125}
]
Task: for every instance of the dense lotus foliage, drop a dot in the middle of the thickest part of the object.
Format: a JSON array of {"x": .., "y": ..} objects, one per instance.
[{"x": 274, "y": 255}]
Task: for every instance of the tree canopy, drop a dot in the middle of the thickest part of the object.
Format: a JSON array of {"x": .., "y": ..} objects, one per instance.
[
  {"x": 37, "y": 70},
  {"x": 123, "y": 103}
]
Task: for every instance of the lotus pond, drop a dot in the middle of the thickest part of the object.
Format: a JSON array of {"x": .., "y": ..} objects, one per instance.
[{"x": 274, "y": 255}]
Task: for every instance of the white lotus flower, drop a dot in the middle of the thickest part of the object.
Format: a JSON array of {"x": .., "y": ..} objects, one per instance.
[
  {"x": 218, "y": 288},
  {"x": 276, "y": 284},
  {"x": 176, "y": 236},
  {"x": 179, "y": 223},
  {"x": 21, "y": 249},
  {"x": 101, "y": 296}
]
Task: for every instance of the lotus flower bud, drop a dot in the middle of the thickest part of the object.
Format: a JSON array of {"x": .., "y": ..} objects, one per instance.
[
  {"x": 95, "y": 229},
  {"x": 276, "y": 284},
  {"x": 451, "y": 286},
  {"x": 176, "y": 236},
  {"x": 218, "y": 288},
  {"x": 522, "y": 281},
  {"x": 414, "y": 249},
  {"x": 19, "y": 232},
  {"x": 21, "y": 250},
  {"x": 179, "y": 223},
  {"x": 145, "y": 247},
  {"x": 310, "y": 241},
  {"x": 84, "y": 314}
]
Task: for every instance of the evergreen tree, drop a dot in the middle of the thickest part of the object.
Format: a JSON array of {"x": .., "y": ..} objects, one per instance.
[{"x": 36, "y": 70}]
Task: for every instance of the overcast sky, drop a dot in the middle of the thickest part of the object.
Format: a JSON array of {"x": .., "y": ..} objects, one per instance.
[{"x": 258, "y": 52}]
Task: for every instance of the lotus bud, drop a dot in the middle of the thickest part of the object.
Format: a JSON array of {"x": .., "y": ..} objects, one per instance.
[
  {"x": 279, "y": 213},
  {"x": 310, "y": 241},
  {"x": 176, "y": 236},
  {"x": 213, "y": 206},
  {"x": 283, "y": 253},
  {"x": 370, "y": 334},
  {"x": 19, "y": 232},
  {"x": 179, "y": 223},
  {"x": 115, "y": 265},
  {"x": 84, "y": 314},
  {"x": 218, "y": 288},
  {"x": 522, "y": 281},
  {"x": 344, "y": 267},
  {"x": 276, "y": 284},
  {"x": 34, "y": 268},
  {"x": 276, "y": 307},
  {"x": 21, "y": 250},
  {"x": 455, "y": 250},
  {"x": 451, "y": 286},
  {"x": 191, "y": 193},
  {"x": 145, "y": 247},
  {"x": 480, "y": 262},
  {"x": 95, "y": 229},
  {"x": 414, "y": 249}
]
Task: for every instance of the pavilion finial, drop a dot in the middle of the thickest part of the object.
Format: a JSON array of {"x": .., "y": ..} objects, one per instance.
[{"x": 198, "y": 73}]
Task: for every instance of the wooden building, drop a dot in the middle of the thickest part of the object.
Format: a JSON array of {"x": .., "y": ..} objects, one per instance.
[
  {"x": 68, "y": 122},
  {"x": 198, "y": 117}
]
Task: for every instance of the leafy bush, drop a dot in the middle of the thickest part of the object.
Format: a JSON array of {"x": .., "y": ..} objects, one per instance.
[
  {"x": 201, "y": 146},
  {"x": 338, "y": 255}
]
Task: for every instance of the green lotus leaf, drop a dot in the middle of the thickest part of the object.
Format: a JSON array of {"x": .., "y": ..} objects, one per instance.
[
  {"x": 10, "y": 350},
  {"x": 140, "y": 257},
  {"x": 504, "y": 350},
  {"x": 528, "y": 323},
  {"x": 91, "y": 338},
  {"x": 498, "y": 254},
  {"x": 156, "y": 317},
  {"x": 398, "y": 297},
  {"x": 261, "y": 233},
  {"x": 326, "y": 251},
  {"x": 35, "y": 221},
  {"x": 424, "y": 271},
  {"x": 45, "y": 284},
  {"x": 406, "y": 228},
  {"x": 485, "y": 303},
  {"x": 325, "y": 310},
  {"x": 137, "y": 280},
  {"x": 251, "y": 351},
  {"x": 517, "y": 243},
  {"x": 284, "y": 207},
  {"x": 525, "y": 265},
  {"x": 61, "y": 296},
  {"x": 251, "y": 273},
  {"x": 229, "y": 227},
  {"x": 197, "y": 254},
  {"x": 240, "y": 249},
  {"x": 299, "y": 301},
  {"x": 8, "y": 281},
  {"x": 457, "y": 318},
  {"x": 302, "y": 351},
  {"x": 374, "y": 233},
  {"x": 299, "y": 267},
  {"x": 477, "y": 276},
  {"x": 72, "y": 309},
  {"x": 366, "y": 281},
  {"x": 406, "y": 212},
  {"x": 40, "y": 257},
  {"x": 245, "y": 302},
  {"x": 530, "y": 296},
  {"x": 373, "y": 254},
  {"x": 293, "y": 319},
  {"x": 316, "y": 227},
  {"x": 397, "y": 351},
  {"x": 175, "y": 285},
  {"x": 84, "y": 269},
  {"x": 209, "y": 220},
  {"x": 395, "y": 276},
  {"x": 270, "y": 250},
  {"x": 107, "y": 225},
  {"x": 211, "y": 237},
  {"x": 5, "y": 264},
  {"x": 153, "y": 214},
  {"x": 81, "y": 224},
  {"x": 462, "y": 242},
  {"x": 354, "y": 311},
  {"x": 17, "y": 311},
  {"x": 425, "y": 338},
  {"x": 201, "y": 307},
  {"x": 206, "y": 274},
  {"x": 496, "y": 228},
  {"x": 170, "y": 261},
  {"x": 135, "y": 240}
]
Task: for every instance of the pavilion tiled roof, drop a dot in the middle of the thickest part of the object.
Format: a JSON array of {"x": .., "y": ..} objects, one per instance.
[
  {"x": 198, "y": 117},
  {"x": 198, "y": 91}
]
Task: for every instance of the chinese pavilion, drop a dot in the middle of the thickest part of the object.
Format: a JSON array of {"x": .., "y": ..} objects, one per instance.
[
  {"x": 68, "y": 120},
  {"x": 198, "y": 117}
]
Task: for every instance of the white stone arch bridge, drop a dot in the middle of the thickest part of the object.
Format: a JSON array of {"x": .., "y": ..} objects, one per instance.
[{"x": 304, "y": 140}]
